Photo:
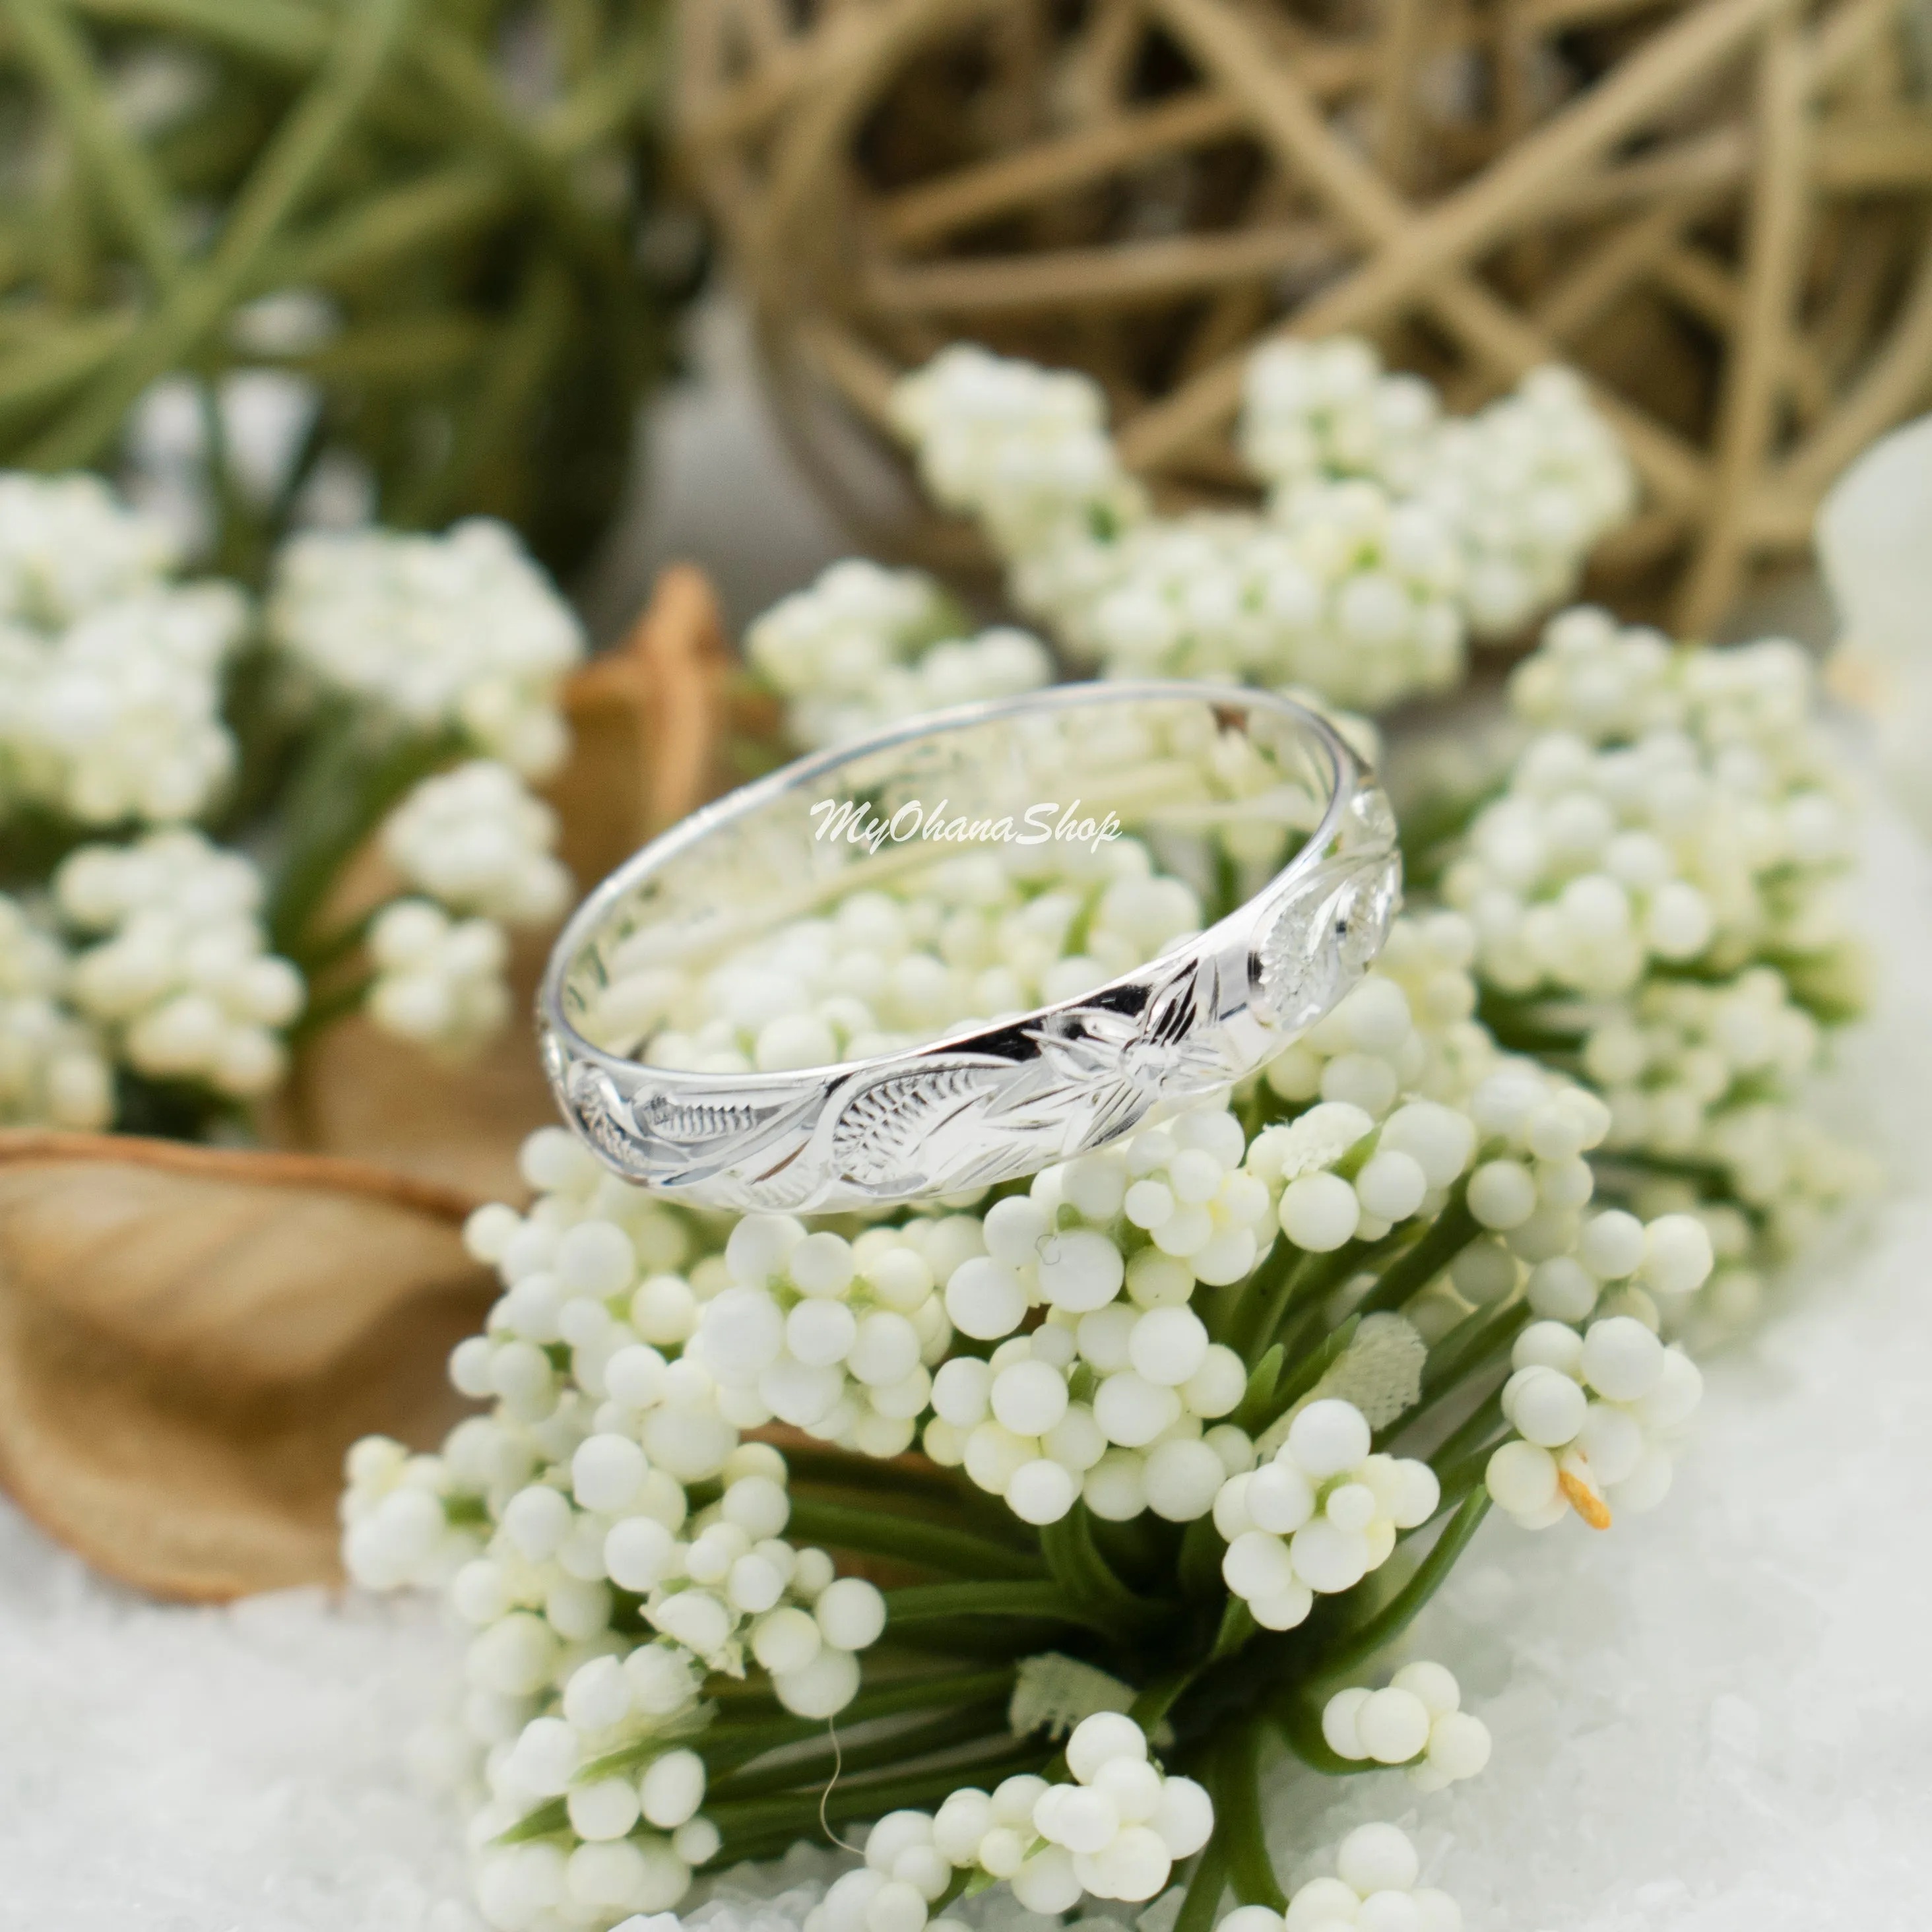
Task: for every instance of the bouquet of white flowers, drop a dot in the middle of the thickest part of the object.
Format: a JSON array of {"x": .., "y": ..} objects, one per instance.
[
  {"x": 1034, "y": 1525},
  {"x": 186, "y": 778}
]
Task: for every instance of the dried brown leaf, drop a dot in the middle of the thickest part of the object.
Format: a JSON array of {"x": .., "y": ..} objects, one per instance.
[{"x": 190, "y": 1337}]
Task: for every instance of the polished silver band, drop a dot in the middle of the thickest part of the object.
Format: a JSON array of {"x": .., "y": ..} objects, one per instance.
[{"x": 1005, "y": 1100}]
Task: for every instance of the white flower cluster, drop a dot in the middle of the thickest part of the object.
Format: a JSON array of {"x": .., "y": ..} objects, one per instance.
[
  {"x": 476, "y": 840},
  {"x": 438, "y": 981},
  {"x": 459, "y": 633},
  {"x": 67, "y": 546},
  {"x": 1598, "y": 1414},
  {"x": 1522, "y": 489},
  {"x": 1111, "y": 1400},
  {"x": 1520, "y": 1136},
  {"x": 614, "y": 1542},
  {"x": 1024, "y": 449},
  {"x": 1389, "y": 536},
  {"x": 1407, "y": 1028},
  {"x": 1319, "y": 1517},
  {"x": 1677, "y": 1065},
  {"x": 1518, "y": 1133},
  {"x": 1677, "y": 810},
  {"x": 1417, "y": 1720},
  {"x": 1704, "y": 1074},
  {"x": 54, "y": 1069},
  {"x": 599, "y": 1595},
  {"x": 971, "y": 938},
  {"x": 475, "y": 846},
  {"x": 183, "y": 981},
  {"x": 864, "y": 646},
  {"x": 838, "y": 1338},
  {"x": 1676, "y": 806},
  {"x": 1528, "y": 486},
  {"x": 1374, "y": 1890},
  {"x": 479, "y": 844},
  {"x": 1311, "y": 410},
  {"x": 1343, "y": 591},
  {"x": 112, "y": 674},
  {"x": 1119, "y": 1823},
  {"x": 1114, "y": 1829},
  {"x": 1139, "y": 1444}
]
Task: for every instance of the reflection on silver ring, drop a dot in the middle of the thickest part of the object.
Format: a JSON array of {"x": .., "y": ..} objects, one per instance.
[{"x": 997, "y": 1099}]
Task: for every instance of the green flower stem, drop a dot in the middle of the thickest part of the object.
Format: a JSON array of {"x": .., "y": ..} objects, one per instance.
[
  {"x": 1475, "y": 1429},
  {"x": 1474, "y": 1341},
  {"x": 1309, "y": 1315},
  {"x": 68, "y": 356},
  {"x": 1710, "y": 1176},
  {"x": 524, "y": 348},
  {"x": 941, "y": 1493},
  {"x": 926, "y": 1603},
  {"x": 792, "y": 1813},
  {"x": 764, "y": 1816},
  {"x": 955, "y": 1889},
  {"x": 976, "y": 1722},
  {"x": 1454, "y": 1228},
  {"x": 606, "y": 98},
  {"x": 1237, "y": 1625},
  {"x": 119, "y": 169},
  {"x": 1263, "y": 1379},
  {"x": 1078, "y": 1567},
  {"x": 741, "y": 1739},
  {"x": 1206, "y": 1884},
  {"x": 360, "y": 51},
  {"x": 1308, "y": 1369},
  {"x": 1156, "y": 1700},
  {"x": 751, "y": 1849},
  {"x": 1312, "y": 1285},
  {"x": 551, "y": 1816},
  {"x": 455, "y": 71},
  {"x": 345, "y": 788},
  {"x": 1272, "y": 1280},
  {"x": 282, "y": 34},
  {"x": 1353, "y": 1647},
  {"x": 745, "y": 1707},
  {"x": 418, "y": 218},
  {"x": 973, "y": 1637},
  {"x": 884, "y": 1533},
  {"x": 1519, "y": 1025},
  {"x": 1238, "y": 1810},
  {"x": 1199, "y": 1566},
  {"x": 403, "y": 352},
  {"x": 1466, "y": 1353},
  {"x": 1462, "y": 1472}
]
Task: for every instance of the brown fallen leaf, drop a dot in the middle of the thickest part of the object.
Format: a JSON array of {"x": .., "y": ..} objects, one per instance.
[
  {"x": 190, "y": 1337},
  {"x": 647, "y": 724}
]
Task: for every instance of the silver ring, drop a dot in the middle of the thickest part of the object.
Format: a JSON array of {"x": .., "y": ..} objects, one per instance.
[{"x": 1003, "y": 1098}]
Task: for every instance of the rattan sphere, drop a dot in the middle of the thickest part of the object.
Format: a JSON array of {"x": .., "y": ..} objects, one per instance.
[
  {"x": 429, "y": 212},
  {"x": 1720, "y": 210}
]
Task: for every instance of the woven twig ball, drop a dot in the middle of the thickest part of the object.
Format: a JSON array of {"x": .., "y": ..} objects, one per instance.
[
  {"x": 1718, "y": 210},
  {"x": 428, "y": 212}
]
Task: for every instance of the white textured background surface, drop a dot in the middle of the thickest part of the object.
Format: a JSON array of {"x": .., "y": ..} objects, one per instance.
[{"x": 1717, "y": 1718}]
